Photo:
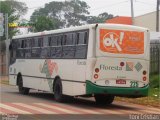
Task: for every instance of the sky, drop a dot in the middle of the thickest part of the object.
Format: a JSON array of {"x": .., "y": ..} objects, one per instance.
[{"x": 115, "y": 7}]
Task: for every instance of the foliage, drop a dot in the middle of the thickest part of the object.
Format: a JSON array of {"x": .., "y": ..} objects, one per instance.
[
  {"x": 42, "y": 23},
  {"x": 101, "y": 18},
  {"x": 15, "y": 9},
  {"x": 154, "y": 81},
  {"x": 67, "y": 13}
]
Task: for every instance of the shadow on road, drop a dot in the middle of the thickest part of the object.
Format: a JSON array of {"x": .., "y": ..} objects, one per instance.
[{"x": 76, "y": 102}]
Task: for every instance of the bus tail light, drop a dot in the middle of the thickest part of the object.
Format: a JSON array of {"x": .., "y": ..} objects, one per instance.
[
  {"x": 144, "y": 78},
  {"x": 97, "y": 70},
  {"x": 122, "y": 64},
  {"x": 95, "y": 76},
  {"x": 144, "y": 72}
]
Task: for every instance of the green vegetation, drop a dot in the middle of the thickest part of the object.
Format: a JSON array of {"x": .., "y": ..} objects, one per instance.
[
  {"x": 15, "y": 10},
  {"x": 154, "y": 81},
  {"x": 153, "y": 98},
  {"x": 154, "y": 90},
  {"x": 65, "y": 14}
]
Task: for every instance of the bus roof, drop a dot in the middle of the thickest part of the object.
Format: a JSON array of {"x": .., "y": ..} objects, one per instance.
[{"x": 76, "y": 29}]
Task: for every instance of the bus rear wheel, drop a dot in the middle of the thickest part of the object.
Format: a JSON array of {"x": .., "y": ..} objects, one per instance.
[
  {"x": 104, "y": 99},
  {"x": 22, "y": 90},
  {"x": 58, "y": 95}
]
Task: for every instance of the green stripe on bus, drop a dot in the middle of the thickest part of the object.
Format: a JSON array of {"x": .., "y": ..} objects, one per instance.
[{"x": 95, "y": 89}]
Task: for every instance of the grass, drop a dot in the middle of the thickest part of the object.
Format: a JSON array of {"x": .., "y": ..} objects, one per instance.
[
  {"x": 154, "y": 92},
  {"x": 153, "y": 98},
  {"x": 4, "y": 80}
]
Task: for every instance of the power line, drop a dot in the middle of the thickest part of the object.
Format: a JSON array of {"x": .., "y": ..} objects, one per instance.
[{"x": 145, "y": 3}]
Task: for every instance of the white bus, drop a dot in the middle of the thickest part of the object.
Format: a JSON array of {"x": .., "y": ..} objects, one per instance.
[{"x": 100, "y": 60}]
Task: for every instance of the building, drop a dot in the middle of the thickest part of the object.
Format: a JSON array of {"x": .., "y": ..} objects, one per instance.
[{"x": 147, "y": 20}]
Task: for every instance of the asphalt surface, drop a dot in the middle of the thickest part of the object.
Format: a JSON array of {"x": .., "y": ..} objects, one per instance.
[{"x": 42, "y": 106}]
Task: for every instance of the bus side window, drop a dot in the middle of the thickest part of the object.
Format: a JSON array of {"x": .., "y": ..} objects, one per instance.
[
  {"x": 56, "y": 46},
  {"x": 45, "y": 50},
  {"x": 13, "y": 51},
  {"x": 36, "y": 50},
  {"x": 82, "y": 45},
  {"x": 68, "y": 47},
  {"x": 58, "y": 49},
  {"x": 34, "y": 42},
  {"x": 54, "y": 40},
  {"x": 20, "y": 50},
  {"x": 22, "y": 43},
  {"x": 40, "y": 42},
  {"x": 74, "y": 38},
  {"x": 27, "y": 50}
]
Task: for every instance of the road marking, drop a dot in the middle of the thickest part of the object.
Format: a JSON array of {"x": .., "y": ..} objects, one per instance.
[
  {"x": 6, "y": 111},
  {"x": 57, "y": 108},
  {"x": 90, "y": 111},
  {"x": 111, "y": 111},
  {"x": 14, "y": 109},
  {"x": 67, "y": 107},
  {"x": 154, "y": 109},
  {"x": 1, "y": 112},
  {"x": 44, "y": 111},
  {"x": 77, "y": 109},
  {"x": 142, "y": 108},
  {"x": 150, "y": 111},
  {"x": 24, "y": 108},
  {"x": 51, "y": 108}
]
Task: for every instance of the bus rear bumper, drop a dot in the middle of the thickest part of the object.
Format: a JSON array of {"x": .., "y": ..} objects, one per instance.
[{"x": 91, "y": 88}]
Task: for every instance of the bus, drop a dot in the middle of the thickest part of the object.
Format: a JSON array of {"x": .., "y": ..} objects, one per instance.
[{"x": 97, "y": 60}]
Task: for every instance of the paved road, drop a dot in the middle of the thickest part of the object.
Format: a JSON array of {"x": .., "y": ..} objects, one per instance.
[{"x": 41, "y": 106}]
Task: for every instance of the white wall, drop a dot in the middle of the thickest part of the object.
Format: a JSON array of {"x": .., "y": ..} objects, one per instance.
[{"x": 147, "y": 20}]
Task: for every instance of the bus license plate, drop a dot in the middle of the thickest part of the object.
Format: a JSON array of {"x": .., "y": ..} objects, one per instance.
[{"x": 120, "y": 81}]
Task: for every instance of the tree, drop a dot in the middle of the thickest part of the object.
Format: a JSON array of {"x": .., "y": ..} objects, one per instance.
[
  {"x": 65, "y": 14},
  {"x": 15, "y": 9},
  {"x": 75, "y": 12},
  {"x": 44, "y": 23},
  {"x": 101, "y": 18}
]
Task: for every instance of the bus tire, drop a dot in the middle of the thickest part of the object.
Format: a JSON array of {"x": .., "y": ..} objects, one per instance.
[
  {"x": 104, "y": 99},
  {"x": 58, "y": 95},
  {"x": 22, "y": 90}
]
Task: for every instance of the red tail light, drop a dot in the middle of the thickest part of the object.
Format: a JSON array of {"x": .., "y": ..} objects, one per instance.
[
  {"x": 144, "y": 78},
  {"x": 97, "y": 70},
  {"x": 122, "y": 64},
  {"x": 95, "y": 76},
  {"x": 144, "y": 72}
]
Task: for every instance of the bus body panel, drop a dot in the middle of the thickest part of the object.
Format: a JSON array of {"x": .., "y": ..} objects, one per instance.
[
  {"x": 37, "y": 75},
  {"x": 121, "y": 72}
]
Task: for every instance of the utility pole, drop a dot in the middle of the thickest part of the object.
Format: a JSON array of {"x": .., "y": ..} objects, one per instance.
[
  {"x": 7, "y": 43},
  {"x": 132, "y": 12},
  {"x": 157, "y": 16}
]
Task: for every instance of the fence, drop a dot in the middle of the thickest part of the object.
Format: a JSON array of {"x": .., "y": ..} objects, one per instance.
[{"x": 155, "y": 56}]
